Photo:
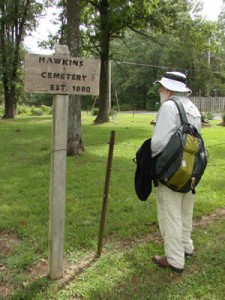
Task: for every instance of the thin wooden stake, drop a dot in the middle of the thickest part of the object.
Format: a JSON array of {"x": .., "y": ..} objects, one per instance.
[{"x": 106, "y": 192}]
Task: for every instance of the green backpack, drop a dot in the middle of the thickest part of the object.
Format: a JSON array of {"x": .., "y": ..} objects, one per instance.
[{"x": 182, "y": 163}]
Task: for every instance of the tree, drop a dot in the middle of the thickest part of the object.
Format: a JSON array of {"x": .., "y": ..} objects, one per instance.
[
  {"x": 16, "y": 18},
  {"x": 218, "y": 65},
  {"x": 184, "y": 48},
  {"x": 72, "y": 32},
  {"x": 136, "y": 68},
  {"x": 106, "y": 20},
  {"x": 69, "y": 34}
]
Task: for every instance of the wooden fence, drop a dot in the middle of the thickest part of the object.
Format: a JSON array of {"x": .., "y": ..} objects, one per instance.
[{"x": 213, "y": 104}]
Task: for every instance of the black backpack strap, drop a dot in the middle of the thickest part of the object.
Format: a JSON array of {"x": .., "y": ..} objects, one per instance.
[{"x": 181, "y": 110}]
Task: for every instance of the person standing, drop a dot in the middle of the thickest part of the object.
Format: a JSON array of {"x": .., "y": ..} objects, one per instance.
[{"x": 174, "y": 209}]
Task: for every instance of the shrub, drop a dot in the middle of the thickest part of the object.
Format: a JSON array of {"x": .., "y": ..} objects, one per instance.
[
  {"x": 152, "y": 103},
  {"x": 94, "y": 111},
  {"x": 23, "y": 110},
  {"x": 112, "y": 113},
  {"x": 126, "y": 107},
  {"x": 36, "y": 111},
  {"x": 41, "y": 110},
  {"x": 1, "y": 111},
  {"x": 223, "y": 118},
  {"x": 208, "y": 116},
  {"x": 47, "y": 110},
  {"x": 26, "y": 110}
]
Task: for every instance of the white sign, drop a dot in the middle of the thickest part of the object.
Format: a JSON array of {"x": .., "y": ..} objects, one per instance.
[{"x": 61, "y": 75}]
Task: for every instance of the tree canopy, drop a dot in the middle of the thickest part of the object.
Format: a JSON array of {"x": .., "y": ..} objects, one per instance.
[
  {"x": 106, "y": 21},
  {"x": 143, "y": 38},
  {"x": 17, "y": 18}
]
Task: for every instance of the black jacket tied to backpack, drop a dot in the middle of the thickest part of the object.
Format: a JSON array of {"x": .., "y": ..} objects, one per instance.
[{"x": 145, "y": 171}]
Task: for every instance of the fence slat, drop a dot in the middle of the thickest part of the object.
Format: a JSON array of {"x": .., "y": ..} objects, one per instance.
[{"x": 214, "y": 104}]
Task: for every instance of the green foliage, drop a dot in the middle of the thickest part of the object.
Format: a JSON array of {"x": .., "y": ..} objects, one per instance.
[
  {"x": 17, "y": 18},
  {"x": 94, "y": 111},
  {"x": 87, "y": 102},
  {"x": 38, "y": 99},
  {"x": 223, "y": 118},
  {"x": 24, "y": 110},
  {"x": 153, "y": 102},
  {"x": 144, "y": 60},
  {"x": 42, "y": 110},
  {"x": 208, "y": 116},
  {"x": 36, "y": 111},
  {"x": 112, "y": 113},
  {"x": 1, "y": 111},
  {"x": 126, "y": 106},
  {"x": 46, "y": 109}
]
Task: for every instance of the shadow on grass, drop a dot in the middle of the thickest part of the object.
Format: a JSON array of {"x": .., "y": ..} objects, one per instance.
[{"x": 38, "y": 287}]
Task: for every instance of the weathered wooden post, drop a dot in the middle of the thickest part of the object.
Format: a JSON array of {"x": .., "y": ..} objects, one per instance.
[
  {"x": 58, "y": 180},
  {"x": 60, "y": 75}
]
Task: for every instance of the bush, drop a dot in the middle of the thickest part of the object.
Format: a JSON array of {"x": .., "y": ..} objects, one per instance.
[
  {"x": 36, "y": 111},
  {"x": 153, "y": 103},
  {"x": 1, "y": 111},
  {"x": 94, "y": 111},
  {"x": 41, "y": 110},
  {"x": 26, "y": 110},
  {"x": 126, "y": 106},
  {"x": 208, "y": 116},
  {"x": 23, "y": 110},
  {"x": 47, "y": 110},
  {"x": 223, "y": 118},
  {"x": 112, "y": 113}
]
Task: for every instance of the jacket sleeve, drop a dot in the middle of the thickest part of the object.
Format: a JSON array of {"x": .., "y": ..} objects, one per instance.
[{"x": 167, "y": 121}]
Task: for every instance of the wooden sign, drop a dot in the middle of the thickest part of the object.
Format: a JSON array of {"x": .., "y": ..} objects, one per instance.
[{"x": 61, "y": 75}]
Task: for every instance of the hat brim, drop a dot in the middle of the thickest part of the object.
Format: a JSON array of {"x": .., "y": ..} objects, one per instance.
[{"x": 173, "y": 85}]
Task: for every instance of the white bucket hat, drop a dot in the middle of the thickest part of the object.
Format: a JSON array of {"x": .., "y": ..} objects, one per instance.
[{"x": 174, "y": 81}]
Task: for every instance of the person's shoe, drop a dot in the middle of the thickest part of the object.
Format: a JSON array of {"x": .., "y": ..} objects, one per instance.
[{"x": 162, "y": 262}]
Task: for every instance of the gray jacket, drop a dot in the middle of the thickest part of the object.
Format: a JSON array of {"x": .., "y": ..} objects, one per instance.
[{"x": 168, "y": 121}]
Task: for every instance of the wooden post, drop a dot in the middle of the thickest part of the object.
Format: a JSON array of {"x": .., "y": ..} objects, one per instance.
[
  {"x": 58, "y": 180},
  {"x": 106, "y": 193}
]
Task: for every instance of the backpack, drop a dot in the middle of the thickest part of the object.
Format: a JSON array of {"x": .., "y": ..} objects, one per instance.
[
  {"x": 145, "y": 171},
  {"x": 182, "y": 163}
]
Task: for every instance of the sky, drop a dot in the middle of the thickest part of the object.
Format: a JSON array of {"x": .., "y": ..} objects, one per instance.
[
  {"x": 43, "y": 30},
  {"x": 211, "y": 11}
]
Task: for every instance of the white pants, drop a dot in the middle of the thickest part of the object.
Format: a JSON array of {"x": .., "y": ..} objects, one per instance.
[{"x": 175, "y": 211}]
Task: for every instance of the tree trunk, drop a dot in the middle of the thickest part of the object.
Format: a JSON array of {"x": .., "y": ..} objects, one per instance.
[
  {"x": 74, "y": 132},
  {"x": 9, "y": 87},
  {"x": 11, "y": 34},
  {"x": 10, "y": 107},
  {"x": 103, "y": 116}
]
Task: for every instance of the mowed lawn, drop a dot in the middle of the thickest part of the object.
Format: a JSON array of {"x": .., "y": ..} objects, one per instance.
[{"x": 131, "y": 236}]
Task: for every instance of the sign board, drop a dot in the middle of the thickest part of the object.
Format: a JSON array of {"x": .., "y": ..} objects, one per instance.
[{"x": 61, "y": 75}]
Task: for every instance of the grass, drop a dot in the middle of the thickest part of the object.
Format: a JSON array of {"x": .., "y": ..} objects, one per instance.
[{"x": 125, "y": 270}]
